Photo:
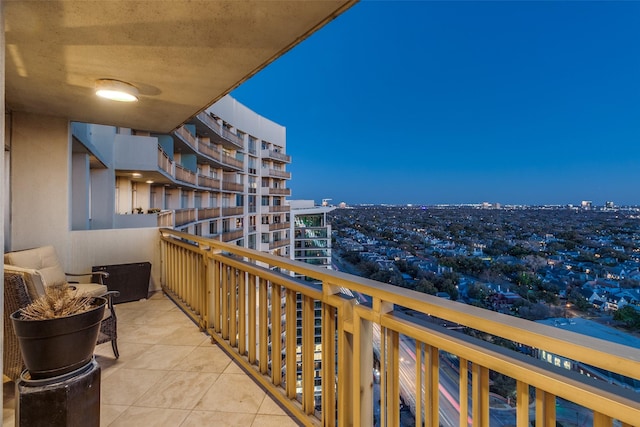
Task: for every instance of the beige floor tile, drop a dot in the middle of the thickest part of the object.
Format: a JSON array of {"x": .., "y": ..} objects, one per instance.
[
  {"x": 178, "y": 390},
  {"x": 147, "y": 334},
  {"x": 108, "y": 413},
  {"x": 127, "y": 385},
  {"x": 186, "y": 335},
  {"x": 270, "y": 407},
  {"x": 234, "y": 368},
  {"x": 207, "y": 358},
  {"x": 160, "y": 356},
  {"x": 232, "y": 393},
  {"x": 138, "y": 417},
  {"x": 128, "y": 352},
  {"x": 263, "y": 420},
  {"x": 217, "y": 419}
]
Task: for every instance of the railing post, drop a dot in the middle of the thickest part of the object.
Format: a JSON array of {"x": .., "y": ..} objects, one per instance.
[
  {"x": 464, "y": 391},
  {"x": 480, "y": 395},
  {"x": 363, "y": 370},
  {"x": 213, "y": 291},
  {"x": 345, "y": 365},
  {"x": 545, "y": 409},
  {"x": 522, "y": 404}
]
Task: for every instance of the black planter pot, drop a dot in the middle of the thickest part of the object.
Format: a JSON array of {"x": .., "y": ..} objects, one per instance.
[{"x": 54, "y": 347}]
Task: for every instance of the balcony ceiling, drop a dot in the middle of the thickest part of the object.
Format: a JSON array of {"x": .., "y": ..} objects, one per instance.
[{"x": 181, "y": 55}]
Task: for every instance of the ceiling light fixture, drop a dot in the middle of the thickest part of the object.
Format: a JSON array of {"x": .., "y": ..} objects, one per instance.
[
  {"x": 116, "y": 90},
  {"x": 136, "y": 175}
]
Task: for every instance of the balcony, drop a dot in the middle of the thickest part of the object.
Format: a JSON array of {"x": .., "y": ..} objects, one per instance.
[
  {"x": 184, "y": 216},
  {"x": 279, "y": 209},
  {"x": 208, "y": 182},
  {"x": 187, "y": 137},
  {"x": 208, "y": 213},
  {"x": 278, "y": 244},
  {"x": 276, "y": 191},
  {"x": 361, "y": 318},
  {"x": 279, "y": 173},
  {"x": 233, "y": 210},
  {"x": 279, "y": 226},
  {"x": 170, "y": 374},
  {"x": 232, "y": 186},
  {"x": 231, "y": 161},
  {"x": 228, "y": 236},
  {"x": 276, "y": 155},
  {"x": 185, "y": 175},
  {"x": 220, "y": 133}
]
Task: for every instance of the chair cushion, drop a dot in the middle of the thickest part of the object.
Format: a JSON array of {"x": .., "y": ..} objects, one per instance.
[
  {"x": 93, "y": 289},
  {"x": 43, "y": 259},
  {"x": 33, "y": 279}
]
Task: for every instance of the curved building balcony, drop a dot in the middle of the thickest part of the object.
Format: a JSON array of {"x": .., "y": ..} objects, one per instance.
[
  {"x": 276, "y": 155},
  {"x": 276, "y": 173},
  {"x": 233, "y": 210},
  {"x": 208, "y": 126},
  {"x": 276, "y": 191}
]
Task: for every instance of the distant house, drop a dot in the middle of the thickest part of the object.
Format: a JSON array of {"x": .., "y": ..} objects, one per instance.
[{"x": 503, "y": 301}]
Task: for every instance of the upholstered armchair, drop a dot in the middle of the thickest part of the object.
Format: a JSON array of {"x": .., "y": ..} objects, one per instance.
[
  {"x": 40, "y": 268},
  {"x": 47, "y": 270}
]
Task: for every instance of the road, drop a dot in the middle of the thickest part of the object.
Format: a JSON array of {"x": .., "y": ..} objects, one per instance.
[{"x": 567, "y": 413}]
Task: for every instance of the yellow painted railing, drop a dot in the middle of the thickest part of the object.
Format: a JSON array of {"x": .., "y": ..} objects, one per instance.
[{"x": 268, "y": 321}]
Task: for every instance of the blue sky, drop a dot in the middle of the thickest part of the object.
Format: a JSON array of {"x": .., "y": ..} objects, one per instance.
[{"x": 462, "y": 102}]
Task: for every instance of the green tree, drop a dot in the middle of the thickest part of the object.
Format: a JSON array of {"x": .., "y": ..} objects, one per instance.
[{"x": 629, "y": 316}]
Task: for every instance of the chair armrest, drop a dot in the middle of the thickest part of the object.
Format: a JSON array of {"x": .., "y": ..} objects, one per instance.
[{"x": 109, "y": 295}]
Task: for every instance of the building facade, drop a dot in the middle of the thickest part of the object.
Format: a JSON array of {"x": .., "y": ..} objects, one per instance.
[
  {"x": 222, "y": 175},
  {"x": 311, "y": 233}
]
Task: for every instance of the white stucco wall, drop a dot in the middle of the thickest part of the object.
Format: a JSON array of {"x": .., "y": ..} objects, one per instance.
[
  {"x": 249, "y": 121},
  {"x": 40, "y": 181}
]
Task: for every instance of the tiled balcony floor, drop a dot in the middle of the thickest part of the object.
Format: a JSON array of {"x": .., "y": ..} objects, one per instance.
[{"x": 169, "y": 374}]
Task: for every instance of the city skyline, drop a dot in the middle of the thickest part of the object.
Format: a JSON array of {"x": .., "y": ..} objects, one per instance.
[{"x": 461, "y": 102}]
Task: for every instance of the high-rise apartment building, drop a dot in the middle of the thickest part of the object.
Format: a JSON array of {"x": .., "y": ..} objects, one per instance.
[
  {"x": 311, "y": 244},
  {"x": 311, "y": 232},
  {"x": 222, "y": 174}
]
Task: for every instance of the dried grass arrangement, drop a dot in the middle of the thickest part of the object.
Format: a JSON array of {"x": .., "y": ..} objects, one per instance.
[{"x": 58, "y": 301}]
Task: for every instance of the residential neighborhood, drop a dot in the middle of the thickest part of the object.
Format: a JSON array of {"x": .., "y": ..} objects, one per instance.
[{"x": 533, "y": 262}]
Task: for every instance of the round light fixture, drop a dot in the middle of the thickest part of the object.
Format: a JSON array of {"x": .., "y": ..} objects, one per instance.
[{"x": 116, "y": 90}]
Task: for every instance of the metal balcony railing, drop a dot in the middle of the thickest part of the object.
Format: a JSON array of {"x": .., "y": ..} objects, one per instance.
[
  {"x": 278, "y": 243},
  {"x": 187, "y": 137},
  {"x": 276, "y": 155},
  {"x": 232, "y": 186},
  {"x": 229, "y": 292},
  {"x": 233, "y": 210},
  {"x": 208, "y": 213},
  {"x": 164, "y": 162},
  {"x": 184, "y": 216},
  {"x": 279, "y": 226},
  {"x": 185, "y": 175},
  {"x": 276, "y": 191},
  {"x": 279, "y": 173},
  {"x": 208, "y": 182},
  {"x": 221, "y": 131},
  {"x": 209, "y": 149},
  {"x": 232, "y": 235},
  {"x": 278, "y": 209},
  {"x": 232, "y": 161}
]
